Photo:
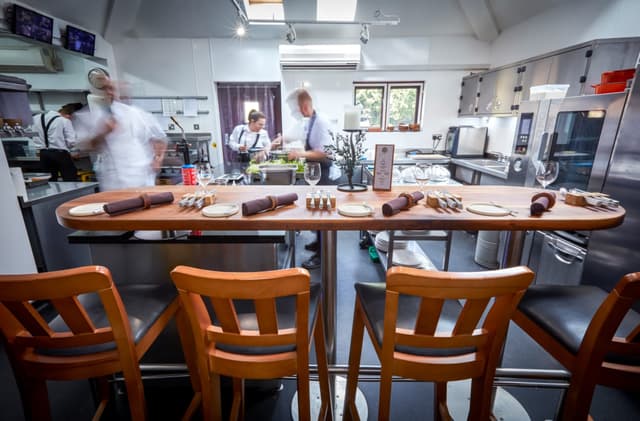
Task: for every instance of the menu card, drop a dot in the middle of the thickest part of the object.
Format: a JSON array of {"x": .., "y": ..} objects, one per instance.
[{"x": 383, "y": 167}]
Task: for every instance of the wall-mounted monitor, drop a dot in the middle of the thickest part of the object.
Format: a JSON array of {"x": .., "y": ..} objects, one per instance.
[
  {"x": 32, "y": 24},
  {"x": 80, "y": 41}
]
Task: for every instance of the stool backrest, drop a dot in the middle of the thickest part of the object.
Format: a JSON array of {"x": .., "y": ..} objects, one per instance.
[
  {"x": 490, "y": 299},
  {"x": 24, "y": 327},
  {"x": 262, "y": 288}
]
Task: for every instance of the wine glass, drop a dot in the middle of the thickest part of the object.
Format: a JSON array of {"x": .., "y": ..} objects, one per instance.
[
  {"x": 546, "y": 172},
  {"x": 422, "y": 173},
  {"x": 204, "y": 174},
  {"x": 312, "y": 173}
]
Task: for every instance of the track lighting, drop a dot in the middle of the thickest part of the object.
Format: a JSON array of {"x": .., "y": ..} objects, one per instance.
[
  {"x": 364, "y": 33},
  {"x": 291, "y": 34},
  {"x": 241, "y": 24}
]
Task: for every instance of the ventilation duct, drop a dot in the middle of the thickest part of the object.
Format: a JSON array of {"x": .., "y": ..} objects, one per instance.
[
  {"x": 319, "y": 57},
  {"x": 29, "y": 60}
]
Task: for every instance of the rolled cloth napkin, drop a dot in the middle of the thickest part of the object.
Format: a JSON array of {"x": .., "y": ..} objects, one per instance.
[
  {"x": 144, "y": 201},
  {"x": 267, "y": 203},
  {"x": 402, "y": 202},
  {"x": 541, "y": 202}
]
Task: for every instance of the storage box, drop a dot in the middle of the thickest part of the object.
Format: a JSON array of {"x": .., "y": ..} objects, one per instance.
[
  {"x": 540, "y": 92},
  {"x": 617, "y": 76},
  {"x": 606, "y": 88}
]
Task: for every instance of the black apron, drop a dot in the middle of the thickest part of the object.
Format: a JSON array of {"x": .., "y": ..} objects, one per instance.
[
  {"x": 243, "y": 156},
  {"x": 56, "y": 160},
  {"x": 325, "y": 164}
]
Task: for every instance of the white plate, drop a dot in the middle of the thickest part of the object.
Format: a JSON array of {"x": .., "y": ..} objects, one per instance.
[
  {"x": 355, "y": 209},
  {"x": 87, "y": 210},
  {"x": 487, "y": 209},
  {"x": 220, "y": 210},
  {"x": 406, "y": 257}
]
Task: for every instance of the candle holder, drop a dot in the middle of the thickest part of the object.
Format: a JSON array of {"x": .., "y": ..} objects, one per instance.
[{"x": 346, "y": 151}]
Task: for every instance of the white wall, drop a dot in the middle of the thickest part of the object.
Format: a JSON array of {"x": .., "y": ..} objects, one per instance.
[{"x": 567, "y": 24}]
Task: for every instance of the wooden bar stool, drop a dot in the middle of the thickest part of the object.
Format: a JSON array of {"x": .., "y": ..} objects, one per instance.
[
  {"x": 594, "y": 335},
  {"x": 253, "y": 325},
  {"x": 99, "y": 331},
  {"x": 420, "y": 331}
]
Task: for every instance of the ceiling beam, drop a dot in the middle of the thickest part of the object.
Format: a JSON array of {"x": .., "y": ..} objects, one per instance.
[
  {"x": 121, "y": 19},
  {"x": 479, "y": 16}
]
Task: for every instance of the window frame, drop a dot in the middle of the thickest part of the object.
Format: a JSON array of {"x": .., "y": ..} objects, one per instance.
[{"x": 386, "y": 87}]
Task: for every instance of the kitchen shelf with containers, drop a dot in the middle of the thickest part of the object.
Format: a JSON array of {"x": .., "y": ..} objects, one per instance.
[{"x": 174, "y": 157}]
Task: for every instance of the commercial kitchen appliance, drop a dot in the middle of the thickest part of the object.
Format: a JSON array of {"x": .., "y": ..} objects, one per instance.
[
  {"x": 596, "y": 141},
  {"x": 466, "y": 141},
  {"x": 616, "y": 252}
]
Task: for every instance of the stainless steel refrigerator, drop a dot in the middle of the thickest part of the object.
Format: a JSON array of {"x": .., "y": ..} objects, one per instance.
[{"x": 615, "y": 252}]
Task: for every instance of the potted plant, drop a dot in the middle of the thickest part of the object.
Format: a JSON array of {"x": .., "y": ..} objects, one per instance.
[{"x": 346, "y": 151}]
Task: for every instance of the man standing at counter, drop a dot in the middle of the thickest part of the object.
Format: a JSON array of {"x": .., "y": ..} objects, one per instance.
[
  {"x": 317, "y": 134},
  {"x": 56, "y": 138},
  {"x": 129, "y": 142}
]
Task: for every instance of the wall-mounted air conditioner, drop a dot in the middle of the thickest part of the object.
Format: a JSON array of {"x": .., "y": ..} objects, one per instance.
[
  {"x": 29, "y": 60},
  {"x": 319, "y": 57}
]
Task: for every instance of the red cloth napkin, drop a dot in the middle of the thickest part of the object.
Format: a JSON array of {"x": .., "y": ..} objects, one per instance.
[
  {"x": 144, "y": 201},
  {"x": 402, "y": 202},
  {"x": 267, "y": 203}
]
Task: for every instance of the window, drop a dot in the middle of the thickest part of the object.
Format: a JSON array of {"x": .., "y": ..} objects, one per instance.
[{"x": 389, "y": 105}]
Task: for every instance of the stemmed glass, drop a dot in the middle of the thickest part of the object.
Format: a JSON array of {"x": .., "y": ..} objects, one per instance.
[
  {"x": 312, "y": 173},
  {"x": 546, "y": 172},
  {"x": 422, "y": 173},
  {"x": 204, "y": 174}
]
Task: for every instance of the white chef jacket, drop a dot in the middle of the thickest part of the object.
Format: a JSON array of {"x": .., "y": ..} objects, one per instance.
[
  {"x": 125, "y": 159},
  {"x": 243, "y": 136},
  {"x": 61, "y": 132}
]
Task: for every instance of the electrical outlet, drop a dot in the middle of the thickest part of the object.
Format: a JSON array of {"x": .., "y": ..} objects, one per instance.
[
  {"x": 196, "y": 127},
  {"x": 172, "y": 126}
]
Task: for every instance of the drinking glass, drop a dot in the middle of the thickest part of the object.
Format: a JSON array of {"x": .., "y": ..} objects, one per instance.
[
  {"x": 546, "y": 172},
  {"x": 204, "y": 174},
  {"x": 422, "y": 173},
  {"x": 312, "y": 173}
]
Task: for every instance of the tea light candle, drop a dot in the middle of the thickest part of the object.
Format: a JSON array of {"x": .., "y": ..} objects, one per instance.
[{"x": 352, "y": 119}]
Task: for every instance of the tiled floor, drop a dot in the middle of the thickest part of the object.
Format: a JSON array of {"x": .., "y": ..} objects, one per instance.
[{"x": 167, "y": 399}]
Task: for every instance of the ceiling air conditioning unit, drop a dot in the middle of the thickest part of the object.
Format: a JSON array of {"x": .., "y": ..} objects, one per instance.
[
  {"x": 320, "y": 57},
  {"x": 29, "y": 60}
]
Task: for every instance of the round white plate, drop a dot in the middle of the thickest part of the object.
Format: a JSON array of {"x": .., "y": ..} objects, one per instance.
[
  {"x": 87, "y": 210},
  {"x": 487, "y": 209},
  {"x": 406, "y": 257},
  {"x": 220, "y": 210},
  {"x": 355, "y": 209}
]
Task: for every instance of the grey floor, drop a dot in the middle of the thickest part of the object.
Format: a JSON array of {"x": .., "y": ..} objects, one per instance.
[{"x": 167, "y": 399}]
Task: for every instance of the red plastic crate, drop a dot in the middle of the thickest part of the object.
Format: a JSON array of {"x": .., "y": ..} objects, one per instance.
[
  {"x": 617, "y": 76},
  {"x": 606, "y": 88}
]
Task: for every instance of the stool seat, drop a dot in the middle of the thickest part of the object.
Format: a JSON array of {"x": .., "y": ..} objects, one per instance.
[
  {"x": 595, "y": 335},
  {"x": 565, "y": 312}
]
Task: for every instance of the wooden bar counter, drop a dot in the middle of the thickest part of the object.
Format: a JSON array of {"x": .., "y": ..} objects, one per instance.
[{"x": 298, "y": 217}]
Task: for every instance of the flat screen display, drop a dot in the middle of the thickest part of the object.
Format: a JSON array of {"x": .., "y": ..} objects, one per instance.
[
  {"x": 32, "y": 24},
  {"x": 80, "y": 41}
]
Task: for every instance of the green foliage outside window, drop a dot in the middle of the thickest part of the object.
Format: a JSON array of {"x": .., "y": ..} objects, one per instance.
[
  {"x": 402, "y": 105},
  {"x": 371, "y": 101}
]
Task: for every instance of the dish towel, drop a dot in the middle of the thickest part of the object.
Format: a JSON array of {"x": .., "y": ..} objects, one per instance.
[
  {"x": 402, "y": 202},
  {"x": 268, "y": 203},
  {"x": 144, "y": 201}
]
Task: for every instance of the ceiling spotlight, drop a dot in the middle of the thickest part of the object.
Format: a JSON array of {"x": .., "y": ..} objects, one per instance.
[
  {"x": 241, "y": 30},
  {"x": 291, "y": 34},
  {"x": 364, "y": 33}
]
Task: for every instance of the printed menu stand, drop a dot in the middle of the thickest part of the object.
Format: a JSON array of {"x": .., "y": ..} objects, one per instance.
[{"x": 383, "y": 167}]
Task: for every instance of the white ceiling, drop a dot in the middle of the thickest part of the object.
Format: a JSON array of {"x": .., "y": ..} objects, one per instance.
[{"x": 484, "y": 19}]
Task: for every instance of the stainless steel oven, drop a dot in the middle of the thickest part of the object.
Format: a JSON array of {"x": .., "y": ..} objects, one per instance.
[
  {"x": 556, "y": 257},
  {"x": 577, "y": 132}
]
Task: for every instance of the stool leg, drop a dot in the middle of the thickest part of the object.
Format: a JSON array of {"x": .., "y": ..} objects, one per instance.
[
  {"x": 35, "y": 399},
  {"x": 212, "y": 404},
  {"x": 440, "y": 409},
  {"x": 355, "y": 351},
  {"x": 326, "y": 412},
  {"x": 304, "y": 409}
]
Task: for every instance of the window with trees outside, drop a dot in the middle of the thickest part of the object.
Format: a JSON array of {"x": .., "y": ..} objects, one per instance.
[{"x": 389, "y": 106}]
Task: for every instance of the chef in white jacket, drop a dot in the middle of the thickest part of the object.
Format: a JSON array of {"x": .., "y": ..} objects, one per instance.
[{"x": 128, "y": 141}]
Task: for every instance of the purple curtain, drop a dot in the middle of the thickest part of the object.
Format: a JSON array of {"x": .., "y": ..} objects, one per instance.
[{"x": 231, "y": 99}]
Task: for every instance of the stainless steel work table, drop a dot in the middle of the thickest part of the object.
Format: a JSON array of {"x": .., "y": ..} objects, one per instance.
[{"x": 297, "y": 217}]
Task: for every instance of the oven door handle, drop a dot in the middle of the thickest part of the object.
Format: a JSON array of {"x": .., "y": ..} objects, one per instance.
[{"x": 565, "y": 256}]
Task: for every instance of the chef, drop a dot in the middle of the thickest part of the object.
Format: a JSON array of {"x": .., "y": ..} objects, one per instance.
[
  {"x": 129, "y": 142},
  {"x": 251, "y": 136},
  {"x": 56, "y": 138}
]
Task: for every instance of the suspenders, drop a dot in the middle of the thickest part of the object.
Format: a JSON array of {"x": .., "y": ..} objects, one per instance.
[{"x": 45, "y": 129}]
